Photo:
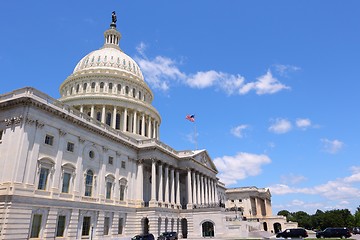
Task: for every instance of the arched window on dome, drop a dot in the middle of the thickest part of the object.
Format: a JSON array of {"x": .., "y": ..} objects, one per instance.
[
  {"x": 108, "y": 119},
  {"x": 117, "y": 124},
  {"x": 84, "y": 87},
  {"x": 127, "y": 90},
  {"x": 139, "y": 95},
  {"x": 110, "y": 87},
  {"x": 93, "y": 87},
  {"x": 134, "y": 92},
  {"x": 71, "y": 90},
  {"x": 77, "y": 88},
  {"x": 119, "y": 88},
  {"x": 101, "y": 86},
  {"x": 98, "y": 116}
]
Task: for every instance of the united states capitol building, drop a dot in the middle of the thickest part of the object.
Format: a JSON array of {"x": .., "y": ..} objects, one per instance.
[{"x": 91, "y": 164}]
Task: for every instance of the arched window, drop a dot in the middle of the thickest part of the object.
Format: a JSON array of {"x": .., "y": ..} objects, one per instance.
[
  {"x": 139, "y": 95},
  {"x": 133, "y": 92},
  {"x": 122, "y": 184},
  {"x": 119, "y": 88},
  {"x": 117, "y": 124},
  {"x": 89, "y": 183},
  {"x": 93, "y": 86},
  {"x": 208, "y": 229},
  {"x": 126, "y": 90},
  {"x": 110, "y": 86},
  {"x": 108, "y": 119},
  {"x": 84, "y": 87},
  {"x": 101, "y": 86},
  {"x": 77, "y": 88}
]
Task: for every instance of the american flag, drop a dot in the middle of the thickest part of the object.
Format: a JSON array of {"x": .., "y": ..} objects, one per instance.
[{"x": 191, "y": 118}]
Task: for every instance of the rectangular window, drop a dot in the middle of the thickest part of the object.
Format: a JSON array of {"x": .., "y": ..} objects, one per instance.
[
  {"x": 70, "y": 147},
  {"x": 66, "y": 182},
  {"x": 36, "y": 226},
  {"x": 49, "y": 140},
  {"x": 108, "y": 190},
  {"x": 86, "y": 226},
  {"x": 106, "y": 225},
  {"x": 123, "y": 164},
  {"x": 111, "y": 160},
  {"x": 60, "y": 226},
  {"x": 44, "y": 173},
  {"x": 122, "y": 192},
  {"x": 120, "y": 226}
]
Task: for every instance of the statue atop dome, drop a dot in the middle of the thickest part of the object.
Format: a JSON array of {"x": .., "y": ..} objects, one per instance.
[{"x": 113, "y": 20}]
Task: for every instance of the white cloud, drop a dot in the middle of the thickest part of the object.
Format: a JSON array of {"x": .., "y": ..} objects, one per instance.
[
  {"x": 283, "y": 70},
  {"x": 160, "y": 71},
  {"x": 331, "y": 146},
  {"x": 238, "y": 131},
  {"x": 303, "y": 123},
  {"x": 234, "y": 168},
  {"x": 280, "y": 126},
  {"x": 265, "y": 84}
]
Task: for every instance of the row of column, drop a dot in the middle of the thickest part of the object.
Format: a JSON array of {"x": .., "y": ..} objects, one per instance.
[
  {"x": 131, "y": 121},
  {"x": 202, "y": 190},
  {"x": 172, "y": 182}
]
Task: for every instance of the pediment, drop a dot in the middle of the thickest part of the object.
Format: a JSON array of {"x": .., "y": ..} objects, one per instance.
[{"x": 203, "y": 158}]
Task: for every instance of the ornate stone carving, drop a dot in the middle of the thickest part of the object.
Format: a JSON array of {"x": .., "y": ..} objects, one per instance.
[{"x": 13, "y": 120}]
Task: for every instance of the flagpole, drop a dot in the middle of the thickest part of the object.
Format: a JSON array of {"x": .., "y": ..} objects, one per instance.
[{"x": 195, "y": 137}]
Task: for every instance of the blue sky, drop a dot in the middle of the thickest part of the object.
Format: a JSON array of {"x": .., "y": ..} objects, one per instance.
[{"x": 273, "y": 84}]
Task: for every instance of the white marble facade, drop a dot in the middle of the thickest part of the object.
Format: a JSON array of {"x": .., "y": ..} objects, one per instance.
[{"x": 91, "y": 164}]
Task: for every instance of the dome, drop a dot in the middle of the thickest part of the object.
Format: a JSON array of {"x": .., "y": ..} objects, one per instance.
[{"x": 111, "y": 59}]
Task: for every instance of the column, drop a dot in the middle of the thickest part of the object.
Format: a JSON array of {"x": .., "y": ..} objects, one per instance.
[
  {"x": 149, "y": 127},
  {"x": 216, "y": 192},
  {"x": 177, "y": 188},
  {"x": 194, "y": 188},
  {"x": 160, "y": 197},
  {"x": 202, "y": 190},
  {"x": 153, "y": 181},
  {"x": 131, "y": 118},
  {"x": 189, "y": 205},
  {"x": 103, "y": 114},
  {"x": 139, "y": 183},
  {"x": 157, "y": 131},
  {"x": 143, "y": 125},
  {"x": 114, "y": 118},
  {"x": 198, "y": 188},
  {"x": 135, "y": 123},
  {"x": 154, "y": 129},
  {"x": 166, "y": 184},
  {"x": 172, "y": 182},
  {"x": 125, "y": 120},
  {"x": 205, "y": 191},
  {"x": 92, "y": 111},
  {"x": 212, "y": 191},
  {"x": 82, "y": 108}
]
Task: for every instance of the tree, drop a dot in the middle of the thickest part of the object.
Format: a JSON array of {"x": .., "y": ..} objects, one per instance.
[{"x": 357, "y": 217}]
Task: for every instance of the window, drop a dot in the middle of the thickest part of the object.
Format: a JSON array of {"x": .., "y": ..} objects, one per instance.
[
  {"x": 77, "y": 88},
  {"x": 108, "y": 190},
  {"x": 123, "y": 164},
  {"x": 101, "y": 86},
  {"x": 139, "y": 95},
  {"x": 108, "y": 119},
  {"x": 110, "y": 86},
  {"x": 60, "y": 226},
  {"x": 70, "y": 147},
  {"x": 84, "y": 87},
  {"x": 93, "y": 85},
  {"x": 36, "y": 226},
  {"x": 44, "y": 173},
  {"x": 49, "y": 140},
  {"x": 120, "y": 225},
  {"x": 106, "y": 225},
  {"x": 119, "y": 88},
  {"x": 98, "y": 116},
  {"x": 126, "y": 90},
  {"x": 66, "y": 182},
  {"x": 86, "y": 226},
  {"x": 122, "y": 192},
  {"x": 111, "y": 160},
  {"x": 91, "y": 154},
  {"x": 133, "y": 92},
  {"x": 117, "y": 125},
  {"x": 89, "y": 183}
]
